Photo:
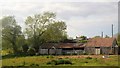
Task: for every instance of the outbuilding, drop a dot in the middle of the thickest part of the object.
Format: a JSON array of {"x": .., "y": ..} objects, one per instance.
[{"x": 101, "y": 46}]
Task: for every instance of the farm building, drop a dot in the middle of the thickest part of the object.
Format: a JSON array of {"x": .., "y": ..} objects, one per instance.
[
  {"x": 93, "y": 46},
  {"x": 101, "y": 46},
  {"x": 61, "y": 48}
]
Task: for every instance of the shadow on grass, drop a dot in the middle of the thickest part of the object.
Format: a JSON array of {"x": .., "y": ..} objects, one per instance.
[
  {"x": 23, "y": 55},
  {"x": 15, "y": 55}
]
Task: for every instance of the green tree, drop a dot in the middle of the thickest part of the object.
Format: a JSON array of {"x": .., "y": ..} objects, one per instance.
[
  {"x": 55, "y": 32},
  {"x": 118, "y": 39},
  {"x": 36, "y": 26},
  {"x": 107, "y": 36},
  {"x": 10, "y": 32},
  {"x": 81, "y": 39},
  {"x": 25, "y": 48},
  {"x": 97, "y": 37},
  {"x": 42, "y": 28},
  {"x": 20, "y": 42},
  {"x": 0, "y": 35}
]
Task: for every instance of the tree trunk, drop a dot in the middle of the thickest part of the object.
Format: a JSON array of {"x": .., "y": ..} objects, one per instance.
[
  {"x": 36, "y": 49},
  {"x": 14, "y": 48}
]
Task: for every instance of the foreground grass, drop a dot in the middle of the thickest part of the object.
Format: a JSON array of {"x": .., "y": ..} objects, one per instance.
[{"x": 76, "y": 60}]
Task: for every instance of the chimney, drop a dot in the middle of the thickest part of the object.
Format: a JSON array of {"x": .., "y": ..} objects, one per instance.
[
  {"x": 102, "y": 34},
  {"x": 112, "y": 30}
]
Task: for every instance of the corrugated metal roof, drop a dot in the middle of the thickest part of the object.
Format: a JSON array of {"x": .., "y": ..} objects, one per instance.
[{"x": 62, "y": 45}]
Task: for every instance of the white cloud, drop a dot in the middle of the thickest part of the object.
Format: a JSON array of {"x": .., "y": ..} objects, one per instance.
[{"x": 82, "y": 18}]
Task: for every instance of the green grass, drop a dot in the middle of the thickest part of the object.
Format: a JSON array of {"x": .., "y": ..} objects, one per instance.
[
  {"x": 95, "y": 62},
  {"x": 43, "y": 60},
  {"x": 5, "y": 52}
]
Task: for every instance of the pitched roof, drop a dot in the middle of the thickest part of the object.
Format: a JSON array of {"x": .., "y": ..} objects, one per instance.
[
  {"x": 98, "y": 42},
  {"x": 48, "y": 45},
  {"x": 70, "y": 45},
  {"x": 62, "y": 45}
]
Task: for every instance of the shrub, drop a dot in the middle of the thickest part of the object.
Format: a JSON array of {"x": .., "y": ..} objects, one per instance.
[
  {"x": 54, "y": 62},
  {"x": 48, "y": 62},
  {"x": 60, "y": 61},
  {"x": 86, "y": 61},
  {"x": 37, "y": 64},
  {"x": 31, "y": 51},
  {"x": 67, "y": 62},
  {"x": 88, "y": 57},
  {"x": 34, "y": 64},
  {"x": 50, "y": 56},
  {"x": 47, "y": 57},
  {"x": 59, "y": 58},
  {"x": 64, "y": 61},
  {"x": 85, "y": 53}
]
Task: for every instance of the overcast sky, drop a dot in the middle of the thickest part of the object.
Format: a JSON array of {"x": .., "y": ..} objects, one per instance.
[{"x": 85, "y": 17}]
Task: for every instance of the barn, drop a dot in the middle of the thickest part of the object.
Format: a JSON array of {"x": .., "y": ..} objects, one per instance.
[
  {"x": 61, "y": 48},
  {"x": 93, "y": 46},
  {"x": 101, "y": 46}
]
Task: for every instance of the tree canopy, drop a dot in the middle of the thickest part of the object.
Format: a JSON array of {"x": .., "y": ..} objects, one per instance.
[
  {"x": 55, "y": 32},
  {"x": 10, "y": 32},
  {"x": 44, "y": 27},
  {"x": 118, "y": 39}
]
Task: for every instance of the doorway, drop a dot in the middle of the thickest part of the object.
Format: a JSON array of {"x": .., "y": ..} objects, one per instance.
[{"x": 97, "y": 51}]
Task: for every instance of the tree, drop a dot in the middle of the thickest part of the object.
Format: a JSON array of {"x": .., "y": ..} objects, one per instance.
[
  {"x": 107, "y": 36},
  {"x": 10, "y": 32},
  {"x": 0, "y": 35},
  {"x": 25, "y": 48},
  {"x": 97, "y": 37},
  {"x": 20, "y": 42},
  {"x": 81, "y": 39},
  {"x": 36, "y": 26},
  {"x": 55, "y": 32},
  {"x": 42, "y": 28},
  {"x": 118, "y": 39}
]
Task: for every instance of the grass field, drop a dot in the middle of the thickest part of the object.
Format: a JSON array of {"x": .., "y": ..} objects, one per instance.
[{"x": 80, "y": 60}]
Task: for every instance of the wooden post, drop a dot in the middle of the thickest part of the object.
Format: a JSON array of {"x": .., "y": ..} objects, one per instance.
[{"x": 48, "y": 51}]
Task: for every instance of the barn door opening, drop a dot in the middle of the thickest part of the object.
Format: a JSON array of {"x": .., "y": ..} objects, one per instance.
[{"x": 97, "y": 51}]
